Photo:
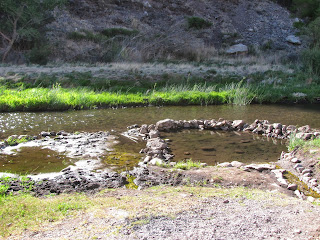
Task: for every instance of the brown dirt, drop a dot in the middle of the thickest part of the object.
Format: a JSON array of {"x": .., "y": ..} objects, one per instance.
[{"x": 221, "y": 210}]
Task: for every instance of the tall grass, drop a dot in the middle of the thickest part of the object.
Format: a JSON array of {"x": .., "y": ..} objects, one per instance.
[{"x": 239, "y": 94}]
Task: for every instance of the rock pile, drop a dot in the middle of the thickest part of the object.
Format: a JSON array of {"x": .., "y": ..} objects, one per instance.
[{"x": 304, "y": 171}]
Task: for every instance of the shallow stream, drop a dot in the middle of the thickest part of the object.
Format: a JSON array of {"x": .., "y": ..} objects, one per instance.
[{"x": 205, "y": 146}]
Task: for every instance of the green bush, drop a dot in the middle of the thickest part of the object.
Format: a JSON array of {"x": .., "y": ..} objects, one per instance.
[
  {"x": 86, "y": 35},
  {"x": 307, "y": 8},
  {"x": 39, "y": 55},
  {"x": 198, "y": 23},
  {"x": 311, "y": 60},
  {"x": 314, "y": 32}
]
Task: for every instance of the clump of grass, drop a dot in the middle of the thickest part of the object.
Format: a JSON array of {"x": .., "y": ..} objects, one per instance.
[
  {"x": 188, "y": 164},
  {"x": 295, "y": 142},
  {"x": 12, "y": 141},
  {"x": 239, "y": 94},
  {"x": 112, "y": 32},
  {"x": 198, "y": 23},
  {"x": 86, "y": 35},
  {"x": 131, "y": 184}
]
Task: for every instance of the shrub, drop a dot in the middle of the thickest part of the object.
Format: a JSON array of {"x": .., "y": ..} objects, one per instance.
[
  {"x": 112, "y": 32},
  {"x": 39, "y": 55},
  {"x": 314, "y": 32},
  {"x": 311, "y": 60},
  {"x": 198, "y": 23}
]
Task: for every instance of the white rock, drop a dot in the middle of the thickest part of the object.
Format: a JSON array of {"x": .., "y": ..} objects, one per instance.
[
  {"x": 310, "y": 199},
  {"x": 237, "y": 164},
  {"x": 238, "y": 48},
  {"x": 293, "y": 39},
  {"x": 156, "y": 161},
  {"x": 225, "y": 164}
]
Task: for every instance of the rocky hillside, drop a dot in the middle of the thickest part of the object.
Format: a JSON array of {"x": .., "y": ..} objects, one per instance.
[{"x": 140, "y": 30}]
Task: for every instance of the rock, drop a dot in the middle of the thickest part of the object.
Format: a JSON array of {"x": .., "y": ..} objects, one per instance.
[
  {"x": 144, "y": 129},
  {"x": 295, "y": 160},
  {"x": 260, "y": 167},
  {"x": 165, "y": 125},
  {"x": 310, "y": 199},
  {"x": 277, "y": 126},
  {"x": 292, "y": 187},
  {"x": 225, "y": 164},
  {"x": 203, "y": 165},
  {"x": 156, "y": 161},
  {"x": 299, "y": 194},
  {"x": 45, "y": 134},
  {"x": 156, "y": 144},
  {"x": 154, "y": 134},
  {"x": 147, "y": 159},
  {"x": 293, "y": 39},
  {"x": 237, "y": 164},
  {"x": 297, "y": 231},
  {"x": 306, "y": 171},
  {"x": 236, "y": 49},
  {"x": 238, "y": 123}
]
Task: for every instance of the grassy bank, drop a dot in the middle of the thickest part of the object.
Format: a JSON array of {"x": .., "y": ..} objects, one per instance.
[{"x": 83, "y": 90}]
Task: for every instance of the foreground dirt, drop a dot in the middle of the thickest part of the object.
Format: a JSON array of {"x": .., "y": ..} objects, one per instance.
[
  {"x": 191, "y": 213},
  {"x": 218, "y": 209}
]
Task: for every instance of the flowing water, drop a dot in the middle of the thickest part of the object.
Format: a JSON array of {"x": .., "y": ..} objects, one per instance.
[{"x": 206, "y": 146}]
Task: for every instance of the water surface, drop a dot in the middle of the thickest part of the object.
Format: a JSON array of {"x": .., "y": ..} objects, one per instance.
[{"x": 206, "y": 146}]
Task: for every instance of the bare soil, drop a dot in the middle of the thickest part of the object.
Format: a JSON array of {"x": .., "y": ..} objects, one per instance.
[{"x": 217, "y": 210}]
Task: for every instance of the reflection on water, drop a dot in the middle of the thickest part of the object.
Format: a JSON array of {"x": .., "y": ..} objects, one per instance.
[
  {"x": 33, "y": 160},
  {"x": 119, "y": 119},
  {"x": 214, "y": 147}
]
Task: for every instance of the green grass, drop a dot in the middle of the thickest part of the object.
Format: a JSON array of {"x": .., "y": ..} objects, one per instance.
[
  {"x": 84, "y": 91},
  {"x": 26, "y": 212},
  {"x": 11, "y": 141},
  {"x": 187, "y": 165},
  {"x": 296, "y": 142}
]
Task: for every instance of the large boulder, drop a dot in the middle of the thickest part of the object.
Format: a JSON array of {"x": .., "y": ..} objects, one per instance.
[
  {"x": 238, "y": 48},
  {"x": 165, "y": 125}
]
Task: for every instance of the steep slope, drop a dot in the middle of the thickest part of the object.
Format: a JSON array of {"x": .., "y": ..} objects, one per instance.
[{"x": 162, "y": 29}]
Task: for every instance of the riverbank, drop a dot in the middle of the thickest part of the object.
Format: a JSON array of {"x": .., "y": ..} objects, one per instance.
[{"x": 31, "y": 88}]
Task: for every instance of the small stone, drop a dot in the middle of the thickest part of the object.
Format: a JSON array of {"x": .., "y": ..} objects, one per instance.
[
  {"x": 237, "y": 164},
  {"x": 292, "y": 187},
  {"x": 226, "y": 201},
  {"x": 297, "y": 165},
  {"x": 225, "y": 164},
  {"x": 297, "y": 231},
  {"x": 293, "y": 39},
  {"x": 310, "y": 199},
  {"x": 306, "y": 171},
  {"x": 300, "y": 169},
  {"x": 156, "y": 161},
  {"x": 295, "y": 160}
]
